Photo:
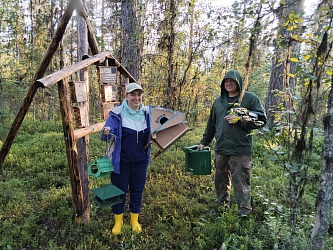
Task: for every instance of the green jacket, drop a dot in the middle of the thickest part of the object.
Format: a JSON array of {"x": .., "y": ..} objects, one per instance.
[{"x": 232, "y": 139}]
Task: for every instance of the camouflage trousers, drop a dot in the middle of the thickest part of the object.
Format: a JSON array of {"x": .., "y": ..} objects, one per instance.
[{"x": 233, "y": 170}]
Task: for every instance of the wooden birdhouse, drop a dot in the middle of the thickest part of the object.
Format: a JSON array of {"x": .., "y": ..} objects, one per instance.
[
  {"x": 106, "y": 107},
  {"x": 108, "y": 75},
  {"x": 167, "y": 127},
  {"x": 79, "y": 91},
  {"x": 79, "y": 99},
  {"x": 108, "y": 93}
]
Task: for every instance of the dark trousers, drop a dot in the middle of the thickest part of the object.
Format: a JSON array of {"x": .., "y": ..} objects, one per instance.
[{"x": 132, "y": 179}]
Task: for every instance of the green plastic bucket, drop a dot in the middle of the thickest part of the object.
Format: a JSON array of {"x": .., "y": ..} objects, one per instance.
[{"x": 198, "y": 161}]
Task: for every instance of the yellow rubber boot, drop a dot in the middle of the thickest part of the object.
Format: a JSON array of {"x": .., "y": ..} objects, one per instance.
[
  {"x": 136, "y": 227},
  {"x": 118, "y": 223}
]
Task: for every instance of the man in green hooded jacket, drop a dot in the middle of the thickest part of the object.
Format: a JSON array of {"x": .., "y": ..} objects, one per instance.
[{"x": 233, "y": 115}]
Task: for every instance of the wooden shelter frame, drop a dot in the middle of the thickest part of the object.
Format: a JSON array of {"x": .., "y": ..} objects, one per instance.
[{"x": 77, "y": 167}]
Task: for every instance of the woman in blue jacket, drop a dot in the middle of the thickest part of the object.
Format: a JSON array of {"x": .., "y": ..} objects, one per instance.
[{"x": 128, "y": 124}]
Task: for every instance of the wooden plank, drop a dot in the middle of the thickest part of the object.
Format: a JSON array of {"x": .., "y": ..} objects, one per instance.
[
  {"x": 165, "y": 138},
  {"x": 71, "y": 150},
  {"x": 67, "y": 71},
  {"x": 79, "y": 133}
]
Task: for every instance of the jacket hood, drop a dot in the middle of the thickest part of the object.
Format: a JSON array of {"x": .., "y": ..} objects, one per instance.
[
  {"x": 117, "y": 110},
  {"x": 235, "y": 75}
]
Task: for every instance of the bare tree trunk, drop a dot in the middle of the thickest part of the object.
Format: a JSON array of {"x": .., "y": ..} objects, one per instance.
[
  {"x": 280, "y": 85},
  {"x": 325, "y": 193},
  {"x": 103, "y": 25},
  {"x": 171, "y": 45},
  {"x": 274, "y": 97},
  {"x": 130, "y": 50}
]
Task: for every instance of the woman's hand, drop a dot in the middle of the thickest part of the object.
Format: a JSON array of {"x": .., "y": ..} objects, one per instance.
[{"x": 106, "y": 130}]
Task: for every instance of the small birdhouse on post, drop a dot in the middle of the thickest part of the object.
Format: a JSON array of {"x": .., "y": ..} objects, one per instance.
[
  {"x": 108, "y": 82},
  {"x": 79, "y": 100},
  {"x": 108, "y": 75}
]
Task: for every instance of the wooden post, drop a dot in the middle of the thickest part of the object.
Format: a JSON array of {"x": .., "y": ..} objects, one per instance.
[
  {"x": 81, "y": 10},
  {"x": 33, "y": 85},
  {"x": 72, "y": 152},
  {"x": 83, "y": 143}
]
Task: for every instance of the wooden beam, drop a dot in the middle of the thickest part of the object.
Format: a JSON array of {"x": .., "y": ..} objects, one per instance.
[
  {"x": 121, "y": 69},
  {"x": 67, "y": 71},
  {"x": 78, "y": 133},
  {"x": 71, "y": 149},
  {"x": 53, "y": 46}
]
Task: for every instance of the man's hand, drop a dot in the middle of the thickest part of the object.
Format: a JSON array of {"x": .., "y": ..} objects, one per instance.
[
  {"x": 201, "y": 147},
  {"x": 232, "y": 119}
]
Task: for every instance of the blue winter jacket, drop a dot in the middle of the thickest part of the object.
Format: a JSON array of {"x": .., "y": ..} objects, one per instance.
[{"x": 114, "y": 122}]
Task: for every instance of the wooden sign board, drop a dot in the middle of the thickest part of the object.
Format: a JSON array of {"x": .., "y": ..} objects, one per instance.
[
  {"x": 81, "y": 116},
  {"x": 161, "y": 118},
  {"x": 108, "y": 74},
  {"x": 78, "y": 91},
  {"x": 106, "y": 108}
]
